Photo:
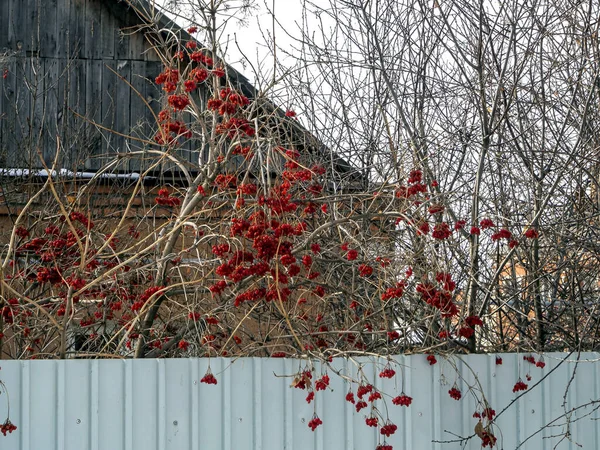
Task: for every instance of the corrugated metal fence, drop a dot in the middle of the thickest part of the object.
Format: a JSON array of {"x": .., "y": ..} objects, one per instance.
[{"x": 161, "y": 404}]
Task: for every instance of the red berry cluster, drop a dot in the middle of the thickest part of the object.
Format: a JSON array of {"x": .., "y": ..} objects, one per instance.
[
  {"x": 371, "y": 421},
  {"x": 322, "y": 383},
  {"x": 531, "y": 359},
  {"x": 208, "y": 378},
  {"x": 7, "y": 427},
  {"x": 519, "y": 386},
  {"x": 455, "y": 393},
  {"x": 402, "y": 400},
  {"x": 388, "y": 429},
  {"x": 314, "y": 422},
  {"x": 388, "y": 372},
  {"x": 165, "y": 199}
]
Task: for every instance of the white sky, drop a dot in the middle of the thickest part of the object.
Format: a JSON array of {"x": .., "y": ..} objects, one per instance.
[{"x": 250, "y": 39}]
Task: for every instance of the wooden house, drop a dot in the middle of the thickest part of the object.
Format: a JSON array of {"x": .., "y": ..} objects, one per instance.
[
  {"x": 82, "y": 73},
  {"x": 70, "y": 70}
]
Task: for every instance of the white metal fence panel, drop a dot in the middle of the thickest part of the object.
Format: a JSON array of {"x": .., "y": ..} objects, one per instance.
[{"x": 161, "y": 404}]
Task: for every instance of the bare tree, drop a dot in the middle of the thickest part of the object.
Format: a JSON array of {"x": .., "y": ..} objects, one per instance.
[{"x": 434, "y": 189}]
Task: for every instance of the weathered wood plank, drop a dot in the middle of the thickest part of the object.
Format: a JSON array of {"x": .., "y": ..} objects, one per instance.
[
  {"x": 31, "y": 25},
  {"x": 63, "y": 25},
  {"x": 7, "y": 112},
  {"x": 138, "y": 111},
  {"x": 45, "y": 112},
  {"x": 75, "y": 133},
  {"x": 153, "y": 95},
  {"x": 109, "y": 102},
  {"x": 21, "y": 154},
  {"x": 87, "y": 30},
  {"x": 47, "y": 12},
  {"x": 122, "y": 106},
  {"x": 137, "y": 45},
  {"x": 3, "y": 83},
  {"x": 62, "y": 98},
  {"x": 106, "y": 45},
  {"x": 93, "y": 111},
  {"x": 16, "y": 25},
  {"x": 4, "y": 23},
  {"x": 121, "y": 44},
  {"x": 76, "y": 42},
  {"x": 93, "y": 30}
]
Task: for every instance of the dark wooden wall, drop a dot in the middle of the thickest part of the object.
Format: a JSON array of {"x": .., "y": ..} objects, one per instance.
[{"x": 57, "y": 54}]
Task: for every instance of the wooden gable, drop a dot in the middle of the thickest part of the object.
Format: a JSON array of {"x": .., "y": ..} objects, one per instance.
[{"x": 58, "y": 58}]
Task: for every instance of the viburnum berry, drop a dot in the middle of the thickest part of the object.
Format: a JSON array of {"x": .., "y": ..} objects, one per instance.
[
  {"x": 487, "y": 439},
  {"x": 415, "y": 176},
  {"x": 435, "y": 209},
  {"x": 302, "y": 380},
  {"x": 178, "y": 102},
  {"x": 360, "y": 405},
  {"x": 371, "y": 421},
  {"x": 455, "y": 393},
  {"x": 310, "y": 397},
  {"x": 393, "y": 335},
  {"x": 519, "y": 386},
  {"x": 322, "y": 383},
  {"x": 402, "y": 400},
  {"x": 498, "y": 361},
  {"x": 388, "y": 372},
  {"x": 350, "y": 397},
  {"x": 460, "y": 224},
  {"x": 208, "y": 378},
  {"x": 195, "y": 316},
  {"x": 364, "y": 389},
  {"x": 352, "y": 255},
  {"x": 22, "y": 232},
  {"x": 388, "y": 429},
  {"x": 488, "y": 413},
  {"x": 314, "y": 422},
  {"x": 466, "y": 332},
  {"x": 532, "y": 233},
  {"x": 541, "y": 364},
  {"x": 431, "y": 359},
  {"x": 473, "y": 320},
  {"x": 7, "y": 427},
  {"x": 441, "y": 231},
  {"x": 502, "y": 234},
  {"x": 364, "y": 270},
  {"x": 374, "y": 396},
  {"x": 486, "y": 223},
  {"x": 219, "y": 72},
  {"x": 383, "y": 447}
]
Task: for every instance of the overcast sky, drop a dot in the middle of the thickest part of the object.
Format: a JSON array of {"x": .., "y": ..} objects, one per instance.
[{"x": 250, "y": 38}]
